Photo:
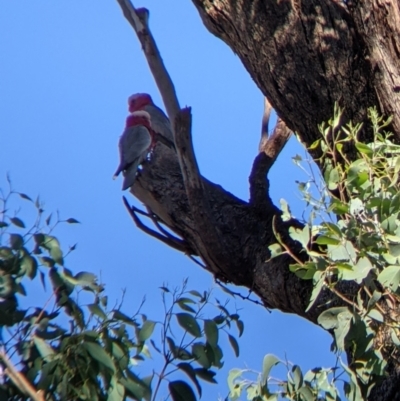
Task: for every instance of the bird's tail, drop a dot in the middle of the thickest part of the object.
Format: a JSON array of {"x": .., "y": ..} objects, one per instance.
[{"x": 130, "y": 175}]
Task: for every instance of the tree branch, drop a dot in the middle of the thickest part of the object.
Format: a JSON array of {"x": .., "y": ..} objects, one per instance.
[
  {"x": 265, "y": 124},
  {"x": 181, "y": 121},
  {"x": 270, "y": 148},
  {"x": 171, "y": 241},
  {"x": 19, "y": 379},
  {"x": 138, "y": 19}
]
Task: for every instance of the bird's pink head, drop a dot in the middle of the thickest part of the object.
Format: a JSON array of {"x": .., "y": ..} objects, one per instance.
[
  {"x": 138, "y": 101},
  {"x": 139, "y": 117}
]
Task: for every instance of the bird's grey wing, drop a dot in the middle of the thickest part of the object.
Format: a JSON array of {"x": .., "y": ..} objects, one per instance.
[
  {"x": 159, "y": 121},
  {"x": 134, "y": 142},
  {"x": 130, "y": 174}
]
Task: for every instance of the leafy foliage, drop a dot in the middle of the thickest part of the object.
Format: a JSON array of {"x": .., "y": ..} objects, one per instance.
[
  {"x": 67, "y": 350},
  {"x": 353, "y": 235},
  {"x": 316, "y": 384}
]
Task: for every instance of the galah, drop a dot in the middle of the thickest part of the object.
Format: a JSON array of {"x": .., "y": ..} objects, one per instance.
[
  {"x": 135, "y": 143},
  {"x": 159, "y": 121}
]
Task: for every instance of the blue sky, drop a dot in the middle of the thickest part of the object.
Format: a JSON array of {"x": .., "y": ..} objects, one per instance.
[{"x": 66, "y": 70}]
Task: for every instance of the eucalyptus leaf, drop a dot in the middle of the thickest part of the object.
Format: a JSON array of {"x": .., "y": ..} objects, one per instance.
[
  {"x": 146, "y": 330},
  {"x": 181, "y": 391},
  {"x": 269, "y": 362},
  {"x": 189, "y": 323},
  {"x": 99, "y": 354}
]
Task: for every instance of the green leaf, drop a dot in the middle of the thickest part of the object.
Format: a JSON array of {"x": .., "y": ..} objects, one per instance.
[
  {"x": 303, "y": 236},
  {"x": 275, "y": 250},
  {"x": 358, "y": 272},
  {"x": 48, "y": 262},
  {"x": 211, "y": 331},
  {"x": 71, "y": 220},
  {"x": 172, "y": 346},
  {"x": 240, "y": 326},
  {"x": 286, "y": 214},
  {"x": 363, "y": 148},
  {"x": 234, "y": 344},
  {"x": 297, "y": 376},
  {"x": 334, "y": 178},
  {"x": 118, "y": 315},
  {"x": 319, "y": 281},
  {"x": 189, "y": 323},
  {"x": 328, "y": 319},
  {"x": 181, "y": 391},
  {"x": 137, "y": 387},
  {"x": 85, "y": 279},
  {"x": 196, "y": 294},
  {"x": 186, "y": 300},
  {"x": 116, "y": 391},
  {"x": 186, "y": 307},
  {"x": 96, "y": 310},
  {"x": 99, "y": 354},
  {"x": 206, "y": 375},
  {"x": 376, "y": 315},
  {"x": 52, "y": 245},
  {"x": 121, "y": 354},
  {"x": 6, "y": 286},
  {"x": 48, "y": 220},
  {"x": 390, "y": 277},
  {"x": 352, "y": 390},
  {"x": 202, "y": 355},
  {"x": 215, "y": 355},
  {"x": 339, "y": 208},
  {"x": 334, "y": 229},
  {"x": 394, "y": 337},
  {"x": 339, "y": 319},
  {"x": 307, "y": 394},
  {"x": 16, "y": 241},
  {"x": 29, "y": 265},
  {"x": 188, "y": 369},
  {"x": 356, "y": 206},
  {"x": 146, "y": 330},
  {"x": 324, "y": 240},
  {"x": 268, "y": 363},
  {"x": 17, "y": 222},
  {"x": 315, "y": 144},
  {"x": 253, "y": 391},
  {"x": 232, "y": 383},
  {"x": 26, "y": 197},
  {"x": 45, "y": 350},
  {"x": 344, "y": 251},
  {"x": 344, "y": 324}
]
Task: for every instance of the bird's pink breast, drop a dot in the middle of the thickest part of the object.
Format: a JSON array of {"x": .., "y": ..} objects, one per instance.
[{"x": 131, "y": 121}]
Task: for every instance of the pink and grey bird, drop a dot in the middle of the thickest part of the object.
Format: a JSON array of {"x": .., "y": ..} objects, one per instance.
[
  {"x": 159, "y": 121},
  {"x": 135, "y": 143}
]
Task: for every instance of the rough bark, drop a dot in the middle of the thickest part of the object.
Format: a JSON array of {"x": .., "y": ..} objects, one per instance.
[{"x": 304, "y": 55}]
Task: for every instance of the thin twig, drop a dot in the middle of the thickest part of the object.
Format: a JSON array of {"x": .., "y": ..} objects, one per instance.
[
  {"x": 173, "y": 243},
  {"x": 198, "y": 262},
  {"x": 345, "y": 299},
  {"x": 167, "y": 234},
  {"x": 237, "y": 294}
]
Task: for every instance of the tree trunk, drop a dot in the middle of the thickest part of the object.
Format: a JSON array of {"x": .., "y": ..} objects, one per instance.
[{"x": 304, "y": 56}]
